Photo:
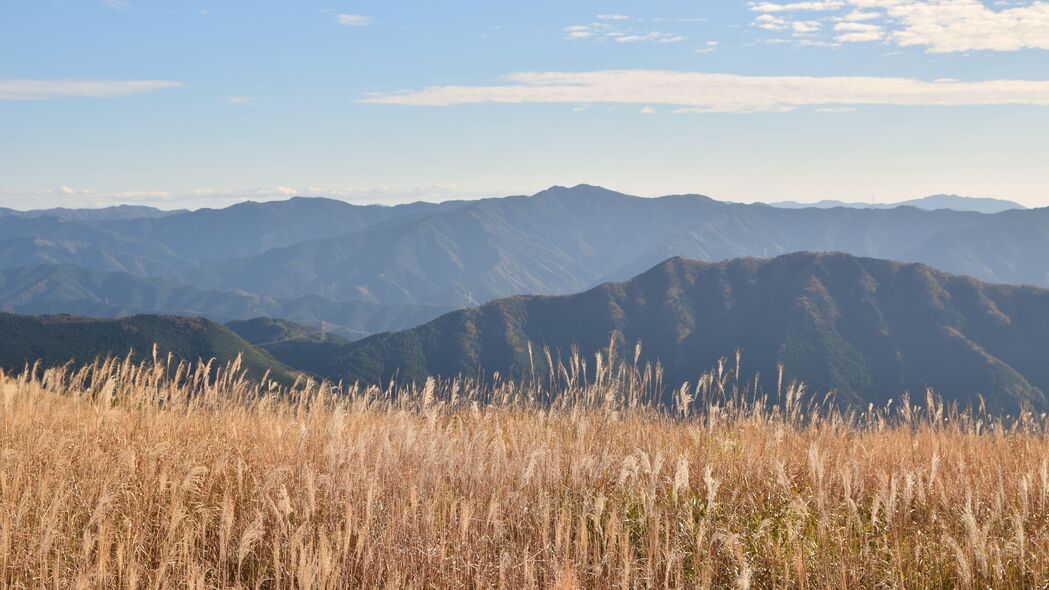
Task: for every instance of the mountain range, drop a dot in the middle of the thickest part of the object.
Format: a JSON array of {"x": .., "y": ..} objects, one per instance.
[
  {"x": 348, "y": 271},
  {"x": 568, "y": 239},
  {"x": 99, "y": 214},
  {"x": 867, "y": 329},
  {"x": 930, "y": 203},
  {"x": 863, "y": 328},
  {"x": 462, "y": 253}
]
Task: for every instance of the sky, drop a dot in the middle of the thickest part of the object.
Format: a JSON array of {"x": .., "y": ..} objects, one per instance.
[{"x": 202, "y": 103}]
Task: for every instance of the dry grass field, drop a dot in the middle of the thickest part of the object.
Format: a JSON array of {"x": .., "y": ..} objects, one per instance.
[{"x": 148, "y": 476}]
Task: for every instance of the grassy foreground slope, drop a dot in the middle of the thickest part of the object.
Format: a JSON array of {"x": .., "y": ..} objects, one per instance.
[
  {"x": 56, "y": 340},
  {"x": 867, "y": 329},
  {"x": 134, "y": 482}
]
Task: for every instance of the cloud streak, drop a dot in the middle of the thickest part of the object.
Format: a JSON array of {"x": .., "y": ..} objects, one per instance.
[
  {"x": 614, "y": 27},
  {"x": 353, "y": 20},
  {"x": 50, "y": 89},
  {"x": 723, "y": 93}
]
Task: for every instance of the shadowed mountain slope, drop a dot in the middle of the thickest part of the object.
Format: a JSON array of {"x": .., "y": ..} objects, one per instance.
[
  {"x": 47, "y": 240},
  {"x": 868, "y": 329},
  {"x": 56, "y": 340},
  {"x": 295, "y": 345},
  {"x": 1012, "y": 247}
]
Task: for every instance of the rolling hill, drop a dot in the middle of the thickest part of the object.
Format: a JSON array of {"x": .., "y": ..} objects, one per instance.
[
  {"x": 303, "y": 347},
  {"x": 56, "y": 340},
  {"x": 867, "y": 329},
  {"x": 54, "y": 289}
]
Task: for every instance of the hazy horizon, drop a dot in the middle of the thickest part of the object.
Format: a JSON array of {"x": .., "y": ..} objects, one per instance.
[{"x": 219, "y": 201}]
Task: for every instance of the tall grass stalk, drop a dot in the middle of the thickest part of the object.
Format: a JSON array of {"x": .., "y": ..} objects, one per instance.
[{"x": 158, "y": 475}]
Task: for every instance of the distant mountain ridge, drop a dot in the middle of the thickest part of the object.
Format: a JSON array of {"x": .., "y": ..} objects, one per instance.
[
  {"x": 462, "y": 253},
  {"x": 562, "y": 240},
  {"x": 930, "y": 203},
  {"x": 96, "y": 214},
  {"x": 868, "y": 329},
  {"x": 51, "y": 289}
]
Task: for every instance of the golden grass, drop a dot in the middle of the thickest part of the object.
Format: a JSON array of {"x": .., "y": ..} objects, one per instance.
[{"x": 125, "y": 476}]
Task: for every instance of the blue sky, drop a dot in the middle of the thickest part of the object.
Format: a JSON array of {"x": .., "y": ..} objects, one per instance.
[{"x": 202, "y": 103}]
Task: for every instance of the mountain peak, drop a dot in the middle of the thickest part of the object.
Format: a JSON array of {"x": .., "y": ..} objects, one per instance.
[{"x": 579, "y": 190}]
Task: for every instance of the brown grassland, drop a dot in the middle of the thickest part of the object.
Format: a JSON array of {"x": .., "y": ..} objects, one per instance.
[{"x": 131, "y": 475}]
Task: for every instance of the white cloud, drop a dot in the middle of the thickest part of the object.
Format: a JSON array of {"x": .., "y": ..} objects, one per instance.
[
  {"x": 708, "y": 47},
  {"x": 796, "y": 6},
  {"x": 580, "y": 32},
  {"x": 771, "y": 23},
  {"x": 856, "y": 32},
  {"x": 944, "y": 26},
  {"x": 723, "y": 93},
  {"x": 49, "y": 89},
  {"x": 797, "y": 28},
  {"x": 648, "y": 111},
  {"x": 653, "y": 37},
  {"x": 860, "y": 15},
  {"x": 805, "y": 27},
  {"x": 940, "y": 26},
  {"x": 353, "y": 20},
  {"x": 613, "y": 27}
]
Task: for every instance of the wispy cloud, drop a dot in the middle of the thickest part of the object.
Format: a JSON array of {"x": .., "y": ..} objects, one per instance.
[
  {"x": 796, "y": 6},
  {"x": 241, "y": 100},
  {"x": 117, "y": 4},
  {"x": 797, "y": 27},
  {"x": 50, "y": 89},
  {"x": 858, "y": 32},
  {"x": 708, "y": 47},
  {"x": 353, "y": 20},
  {"x": 723, "y": 93},
  {"x": 620, "y": 28}
]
